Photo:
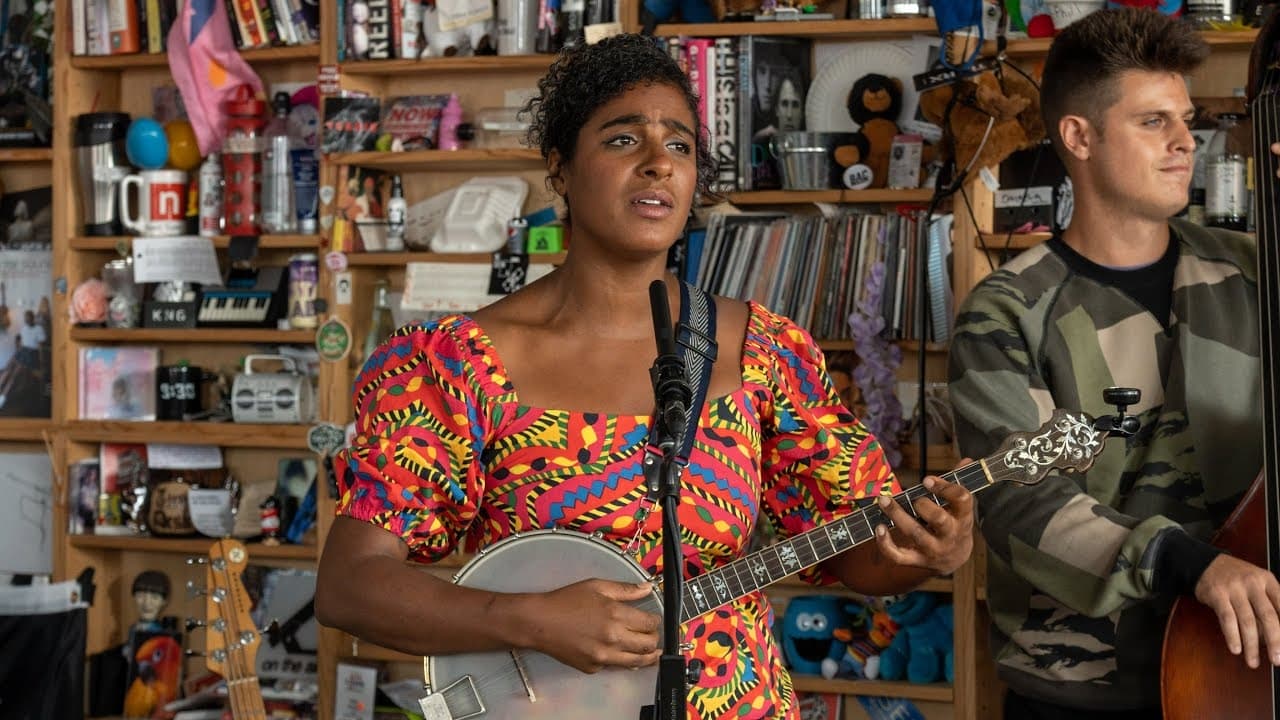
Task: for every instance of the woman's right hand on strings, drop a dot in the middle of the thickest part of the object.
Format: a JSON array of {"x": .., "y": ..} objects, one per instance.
[{"x": 591, "y": 625}]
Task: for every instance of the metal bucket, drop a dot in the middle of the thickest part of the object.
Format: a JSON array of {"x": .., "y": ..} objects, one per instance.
[{"x": 807, "y": 159}]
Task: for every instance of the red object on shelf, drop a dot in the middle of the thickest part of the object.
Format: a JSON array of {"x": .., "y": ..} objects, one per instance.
[{"x": 242, "y": 163}]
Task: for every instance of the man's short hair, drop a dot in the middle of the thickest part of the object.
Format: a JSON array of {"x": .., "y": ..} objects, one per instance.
[{"x": 1087, "y": 58}]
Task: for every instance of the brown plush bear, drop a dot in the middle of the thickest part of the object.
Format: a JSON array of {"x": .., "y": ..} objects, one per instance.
[
  {"x": 1010, "y": 101},
  {"x": 874, "y": 103}
]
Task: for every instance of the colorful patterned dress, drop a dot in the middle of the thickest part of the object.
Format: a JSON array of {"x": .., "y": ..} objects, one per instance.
[{"x": 445, "y": 452}]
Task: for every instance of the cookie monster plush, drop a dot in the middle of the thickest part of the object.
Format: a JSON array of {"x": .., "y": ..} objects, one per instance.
[{"x": 808, "y": 632}]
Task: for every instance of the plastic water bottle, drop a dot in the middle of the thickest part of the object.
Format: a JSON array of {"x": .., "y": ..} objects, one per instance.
[{"x": 278, "y": 212}]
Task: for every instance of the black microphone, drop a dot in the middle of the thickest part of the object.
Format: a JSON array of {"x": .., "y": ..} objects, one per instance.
[{"x": 670, "y": 384}]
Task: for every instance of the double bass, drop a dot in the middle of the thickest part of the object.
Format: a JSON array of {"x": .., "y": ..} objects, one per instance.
[{"x": 1200, "y": 679}]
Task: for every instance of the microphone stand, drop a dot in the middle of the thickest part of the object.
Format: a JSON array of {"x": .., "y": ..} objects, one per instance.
[{"x": 663, "y": 468}]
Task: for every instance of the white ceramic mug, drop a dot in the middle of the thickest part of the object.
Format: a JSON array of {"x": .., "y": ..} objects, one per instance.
[{"x": 161, "y": 203}]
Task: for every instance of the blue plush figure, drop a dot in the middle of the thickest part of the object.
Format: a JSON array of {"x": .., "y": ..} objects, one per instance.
[
  {"x": 808, "y": 632},
  {"x": 922, "y": 651},
  {"x": 659, "y": 11}
]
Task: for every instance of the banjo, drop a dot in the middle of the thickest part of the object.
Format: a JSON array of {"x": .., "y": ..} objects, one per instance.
[{"x": 534, "y": 686}]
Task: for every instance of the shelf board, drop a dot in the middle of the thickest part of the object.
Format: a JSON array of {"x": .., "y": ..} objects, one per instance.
[
  {"x": 187, "y": 546},
  {"x": 888, "y": 27},
  {"x": 400, "y": 259},
  {"x": 1217, "y": 39},
  {"x": 788, "y": 197},
  {"x": 828, "y": 345},
  {"x": 458, "y": 65},
  {"x": 1017, "y": 241},
  {"x": 937, "y": 584},
  {"x": 20, "y": 429},
  {"x": 192, "y": 335},
  {"x": 288, "y": 53},
  {"x": 26, "y": 155},
  {"x": 265, "y": 242},
  {"x": 929, "y": 692},
  {"x": 468, "y": 159},
  {"x": 225, "y": 434}
]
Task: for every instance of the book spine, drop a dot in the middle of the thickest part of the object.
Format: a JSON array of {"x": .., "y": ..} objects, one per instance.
[
  {"x": 725, "y": 133},
  {"x": 79, "y": 28},
  {"x": 251, "y": 32},
  {"x": 155, "y": 37},
  {"x": 393, "y": 7},
  {"x": 410, "y": 24},
  {"x": 744, "y": 114},
  {"x": 267, "y": 21},
  {"x": 379, "y": 29},
  {"x": 122, "y": 27}
]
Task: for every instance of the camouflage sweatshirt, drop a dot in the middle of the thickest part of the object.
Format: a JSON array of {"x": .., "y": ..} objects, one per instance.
[{"x": 1078, "y": 610}]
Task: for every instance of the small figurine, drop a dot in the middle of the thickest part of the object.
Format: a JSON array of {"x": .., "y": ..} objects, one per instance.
[
  {"x": 151, "y": 595},
  {"x": 270, "y": 519},
  {"x": 154, "y": 648}
]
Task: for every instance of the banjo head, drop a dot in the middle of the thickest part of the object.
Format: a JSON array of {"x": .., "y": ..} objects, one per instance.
[{"x": 540, "y": 561}]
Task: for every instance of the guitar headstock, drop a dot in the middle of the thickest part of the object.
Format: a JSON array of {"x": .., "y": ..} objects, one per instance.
[
  {"x": 232, "y": 640},
  {"x": 1067, "y": 441}
]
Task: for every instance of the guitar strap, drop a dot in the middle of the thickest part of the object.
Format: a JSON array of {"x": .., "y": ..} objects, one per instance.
[{"x": 696, "y": 335}]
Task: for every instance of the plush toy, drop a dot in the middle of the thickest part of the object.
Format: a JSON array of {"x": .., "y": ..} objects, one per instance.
[
  {"x": 922, "y": 650},
  {"x": 874, "y": 102},
  {"x": 869, "y": 632},
  {"x": 478, "y": 38},
  {"x": 1012, "y": 105},
  {"x": 808, "y": 632}
]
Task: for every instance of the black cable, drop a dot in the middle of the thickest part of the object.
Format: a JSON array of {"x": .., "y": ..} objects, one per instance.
[{"x": 973, "y": 219}]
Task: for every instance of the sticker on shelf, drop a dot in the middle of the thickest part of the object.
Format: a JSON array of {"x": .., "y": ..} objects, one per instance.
[
  {"x": 336, "y": 261},
  {"x": 326, "y": 438},
  {"x": 327, "y": 79},
  {"x": 326, "y": 194},
  {"x": 342, "y": 288},
  {"x": 333, "y": 340}
]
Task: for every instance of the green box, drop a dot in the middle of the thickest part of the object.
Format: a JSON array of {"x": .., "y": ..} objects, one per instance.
[{"x": 545, "y": 239}]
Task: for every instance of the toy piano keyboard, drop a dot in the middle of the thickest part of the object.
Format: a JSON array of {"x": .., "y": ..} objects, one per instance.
[{"x": 251, "y": 298}]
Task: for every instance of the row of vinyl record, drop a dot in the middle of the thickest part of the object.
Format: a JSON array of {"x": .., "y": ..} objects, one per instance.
[
  {"x": 818, "y": 270},
  {"x": 123, "y": 27}
]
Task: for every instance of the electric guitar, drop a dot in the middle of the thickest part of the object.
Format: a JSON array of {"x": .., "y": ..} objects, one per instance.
[
  {"x": 534, "y": 686},
  {"x": 232, "y": 640}
]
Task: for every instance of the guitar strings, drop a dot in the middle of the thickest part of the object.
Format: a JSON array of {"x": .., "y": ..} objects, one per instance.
[{"x": 244, "y": 690}]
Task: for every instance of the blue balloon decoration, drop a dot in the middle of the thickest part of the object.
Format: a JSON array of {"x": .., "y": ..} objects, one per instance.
[{"x": 146, "y": 145}]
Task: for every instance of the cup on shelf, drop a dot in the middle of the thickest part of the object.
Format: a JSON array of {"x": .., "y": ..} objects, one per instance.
[{"x": 161, "y": 202}]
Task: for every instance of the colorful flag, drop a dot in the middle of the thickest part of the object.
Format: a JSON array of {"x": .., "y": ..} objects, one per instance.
[{"x": 207, "y": 68}]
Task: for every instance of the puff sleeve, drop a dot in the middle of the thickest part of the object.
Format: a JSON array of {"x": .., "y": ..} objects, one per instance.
[
  {"x": 413, "y": 468},
  {"x": 817, "y": 459}
]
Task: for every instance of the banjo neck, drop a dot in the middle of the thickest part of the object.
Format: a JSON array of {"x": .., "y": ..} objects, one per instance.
[{"x": 1071, "y": 441}]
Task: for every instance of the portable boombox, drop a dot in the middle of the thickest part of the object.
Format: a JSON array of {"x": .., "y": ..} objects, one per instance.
[{"x": 272, "y": 397}]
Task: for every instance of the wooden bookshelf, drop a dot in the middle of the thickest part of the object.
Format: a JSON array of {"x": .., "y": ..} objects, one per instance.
[
  {"x": 265, "y": 242},
  {"x": 1217, "y": 39},
  {"x": 18, "y": 429},
  {"x": 192, "y": 335},
  {"x": 195, "y": 546},
  {"x": 791, "y": 197},
  {"x": 26, "y": 155},
  {"x": 1017, "y": 241},
  {"x": 399, "y": 259},
  {"x": 223, "y": 434},
  {"x": 929, "y": 692},
  {"x": 824, "y": 29},
  {"x": 456, "y": 65},
  {"x": 442, "y": 160},
  {"x": 286, "y": 54}
]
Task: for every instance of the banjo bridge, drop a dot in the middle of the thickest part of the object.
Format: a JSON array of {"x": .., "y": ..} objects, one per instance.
[{"x": 459, "y": 701}]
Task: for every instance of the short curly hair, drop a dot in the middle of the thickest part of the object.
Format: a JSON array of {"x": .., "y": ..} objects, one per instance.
[{"x": 586, "y": 77}]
